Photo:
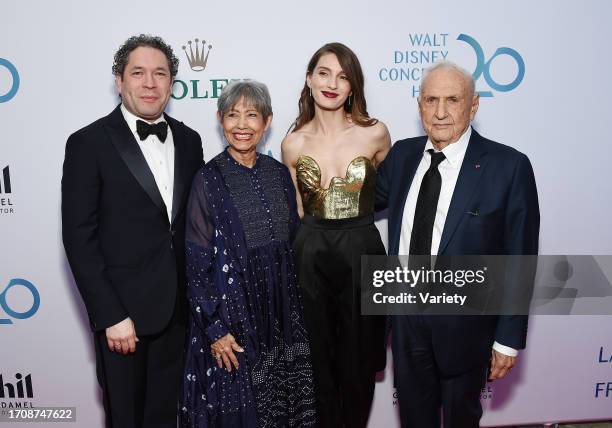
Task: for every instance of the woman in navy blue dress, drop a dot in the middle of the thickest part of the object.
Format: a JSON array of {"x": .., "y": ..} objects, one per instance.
[{"x": 248, "y": 358}]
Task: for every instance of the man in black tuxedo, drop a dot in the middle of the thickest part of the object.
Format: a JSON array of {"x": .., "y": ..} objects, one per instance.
[
  {"x": 453, "y": 192},
  {"x": 124, "y": 190}
]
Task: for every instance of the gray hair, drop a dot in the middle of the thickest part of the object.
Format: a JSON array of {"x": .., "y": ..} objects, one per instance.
[
  {"x": 144, "y": 40},
  {"x": 448, "y": 65},
  {"x": 253, "y": 92}
]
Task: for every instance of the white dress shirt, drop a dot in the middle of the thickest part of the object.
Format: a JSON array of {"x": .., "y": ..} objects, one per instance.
[
  {"x": 449, "y": 171},
  {"x": 159, "y": 157}
]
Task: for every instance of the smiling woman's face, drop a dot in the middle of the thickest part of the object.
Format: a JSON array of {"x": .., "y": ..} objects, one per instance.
[
  {"x": 243, "y": 126},
  {"x": 329, "y": 84}
]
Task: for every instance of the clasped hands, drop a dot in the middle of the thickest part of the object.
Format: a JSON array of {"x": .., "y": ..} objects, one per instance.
[{"x": 223, "y": 351}]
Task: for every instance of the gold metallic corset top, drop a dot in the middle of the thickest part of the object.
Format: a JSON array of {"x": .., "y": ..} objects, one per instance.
[{"x": 351, "y": 196}]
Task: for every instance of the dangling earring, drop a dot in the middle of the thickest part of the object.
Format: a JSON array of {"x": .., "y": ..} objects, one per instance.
[
  {"x": 310, "y": 89},
  {"x": 349, "y": 100}
]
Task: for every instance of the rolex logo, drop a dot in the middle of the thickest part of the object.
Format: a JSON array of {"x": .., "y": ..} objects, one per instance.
[{"x": 197, "y": 61}]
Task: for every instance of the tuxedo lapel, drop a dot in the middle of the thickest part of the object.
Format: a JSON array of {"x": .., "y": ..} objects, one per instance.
[
  {"x": 410, "y": 166},
  {"x": 178, "y": 135},
  {"x": 127, "y": 146},
  {"x": 473, "y": 164}
]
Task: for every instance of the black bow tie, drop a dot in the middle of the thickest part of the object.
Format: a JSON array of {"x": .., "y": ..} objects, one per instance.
[{"x": 145, "y": 129}]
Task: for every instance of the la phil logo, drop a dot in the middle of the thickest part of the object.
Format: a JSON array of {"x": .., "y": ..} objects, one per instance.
[
  {"x": 197, "y": 53},
  {"x": 21, "y": 387},
  {"x": 6, "y": 204},
  {"x": 15, "y": 392},
  {"x": 12, "y": 312},
  {"x": 14, "y": 86}
]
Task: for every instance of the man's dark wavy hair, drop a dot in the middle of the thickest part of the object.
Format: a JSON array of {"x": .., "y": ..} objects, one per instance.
[{"x": 144, "y": 40}]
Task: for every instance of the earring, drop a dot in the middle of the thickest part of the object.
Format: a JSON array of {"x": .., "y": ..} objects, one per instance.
[
  {"x": 310, "y": 89},
  {"x": 349, "y": 100}
]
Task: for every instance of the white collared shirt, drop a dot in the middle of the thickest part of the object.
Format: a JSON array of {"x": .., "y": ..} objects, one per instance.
[
  {"x": 159, "y": 157},
  {"x": 449, "y": 171}
]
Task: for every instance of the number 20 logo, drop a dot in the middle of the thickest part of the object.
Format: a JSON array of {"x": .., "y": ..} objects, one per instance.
[
  {"x": 483, "y": 67},
  {"x": 15, "y": 77},
  {"x": 10, "y": 311}
]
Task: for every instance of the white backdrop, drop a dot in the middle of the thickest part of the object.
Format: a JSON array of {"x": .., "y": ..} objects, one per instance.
[{"x": 55, "y": 77}]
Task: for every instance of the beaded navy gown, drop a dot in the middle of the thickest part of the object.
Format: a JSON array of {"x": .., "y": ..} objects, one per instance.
[{"x": 241, "y": 280}]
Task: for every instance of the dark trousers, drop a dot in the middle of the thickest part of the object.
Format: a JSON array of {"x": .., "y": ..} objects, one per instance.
[
  {"x": 141, "y": 389},
  {"x": 346, "y": 348},
  {"x": 344, "y": 390},
  {"x": 423, "y": 388}
]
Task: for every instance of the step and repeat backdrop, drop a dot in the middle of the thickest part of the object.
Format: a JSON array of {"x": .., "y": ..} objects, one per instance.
[{"x": 542, "y": 70}]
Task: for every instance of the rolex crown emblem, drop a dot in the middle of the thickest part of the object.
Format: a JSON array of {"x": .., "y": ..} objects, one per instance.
[{"x": 197, "y": 60}]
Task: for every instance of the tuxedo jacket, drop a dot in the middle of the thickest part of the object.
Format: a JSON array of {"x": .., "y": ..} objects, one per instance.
[
  {"x": 493, "y": 211},
  {"x": 127, "y": 257}
]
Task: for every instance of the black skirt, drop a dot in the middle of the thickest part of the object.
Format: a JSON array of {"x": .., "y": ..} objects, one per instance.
[{"x": 347, "y": 348}]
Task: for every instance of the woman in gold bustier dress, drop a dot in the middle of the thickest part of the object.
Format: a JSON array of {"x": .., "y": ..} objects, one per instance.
[{"x": 332, "y": 152}]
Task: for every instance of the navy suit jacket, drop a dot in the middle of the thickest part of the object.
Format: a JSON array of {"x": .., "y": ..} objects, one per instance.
[{"x": 495, "y": 181}]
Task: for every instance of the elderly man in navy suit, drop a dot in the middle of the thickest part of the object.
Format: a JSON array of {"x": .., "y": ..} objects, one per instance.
[{"x": 454, "y": 192}]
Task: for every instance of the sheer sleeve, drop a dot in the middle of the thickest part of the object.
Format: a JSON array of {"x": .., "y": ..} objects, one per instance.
[
  {"x": 294, "y": 217},
  {"x": 202, "y": 291}
]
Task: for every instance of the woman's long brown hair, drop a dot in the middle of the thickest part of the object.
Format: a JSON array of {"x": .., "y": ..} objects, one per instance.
[{"x": 356, "y": 107}]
